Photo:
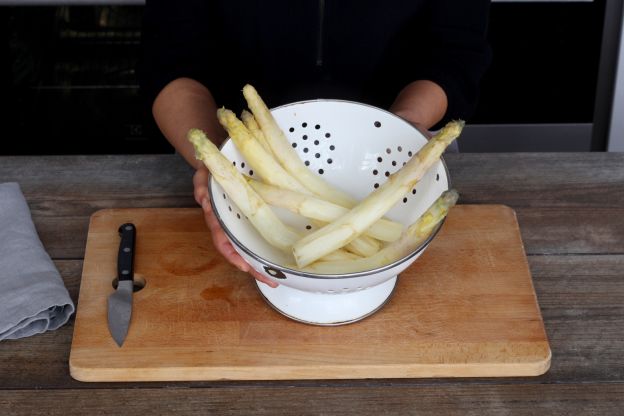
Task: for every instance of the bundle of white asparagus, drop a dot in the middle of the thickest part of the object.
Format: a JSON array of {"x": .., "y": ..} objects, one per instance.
[{"x": 352, "y": 236}]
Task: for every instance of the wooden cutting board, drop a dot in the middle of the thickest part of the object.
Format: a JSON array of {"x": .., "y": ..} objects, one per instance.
[{"x": 465, "y": 308}]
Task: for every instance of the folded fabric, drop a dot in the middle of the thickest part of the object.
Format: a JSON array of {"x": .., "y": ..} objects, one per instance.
[{"x": 33, "y": 298}]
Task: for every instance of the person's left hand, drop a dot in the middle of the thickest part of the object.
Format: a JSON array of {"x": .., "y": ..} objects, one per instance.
[
  {"x": 416, "y": 125},
  {"x": 219, "y": 239}
]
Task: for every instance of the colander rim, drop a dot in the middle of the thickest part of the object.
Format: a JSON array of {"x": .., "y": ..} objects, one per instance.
[{"x": 324, "y": 276}]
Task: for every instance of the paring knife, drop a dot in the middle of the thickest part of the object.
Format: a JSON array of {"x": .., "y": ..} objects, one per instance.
[{"x": 120, "y": 302}]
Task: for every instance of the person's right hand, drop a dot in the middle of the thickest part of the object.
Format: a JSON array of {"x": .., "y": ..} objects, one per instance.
[{"x": 219, "y": 239}]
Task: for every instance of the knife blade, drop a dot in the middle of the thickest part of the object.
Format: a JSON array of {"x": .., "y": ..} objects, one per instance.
[{"x": 120, "y": 302}]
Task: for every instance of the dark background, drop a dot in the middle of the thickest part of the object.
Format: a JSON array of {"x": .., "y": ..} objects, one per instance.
[{"x": 69, "y": 85}]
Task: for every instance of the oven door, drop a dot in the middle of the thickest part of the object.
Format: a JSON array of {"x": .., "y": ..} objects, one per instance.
[{"x": 70, "y": 85}]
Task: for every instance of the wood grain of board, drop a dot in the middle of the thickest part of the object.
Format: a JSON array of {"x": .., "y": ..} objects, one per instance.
[{"x": 466, "y": 308}]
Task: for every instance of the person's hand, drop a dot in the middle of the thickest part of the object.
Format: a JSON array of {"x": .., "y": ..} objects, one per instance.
[
  {"x": 219, "y": 239},
  {"x": 425, "y": 132}
]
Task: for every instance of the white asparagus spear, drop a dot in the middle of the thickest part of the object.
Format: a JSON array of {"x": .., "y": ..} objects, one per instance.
[
  {"x": 251, "y": 205},
  {"x": 272, "y": 172},
  {"x": 343, "y": 230},
  {"x": 246, "y": 199},
  {"x": 415, "y": 235},
  {"x": 252, "y": 125},
  {"x": 287, "y": 156},
  {"x": 258, "y": 158},
  {"x": 363, "y": 245},
  {"x": 341, "y": 255},
  {"x": 314, "y": 208}
]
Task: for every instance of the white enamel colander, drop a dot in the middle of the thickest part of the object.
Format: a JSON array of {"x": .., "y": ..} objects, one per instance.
[{"x": 355, "y": 147}]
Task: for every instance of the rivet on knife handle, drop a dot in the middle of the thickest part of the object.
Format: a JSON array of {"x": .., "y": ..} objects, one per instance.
[{"x": 125, "y": 258}]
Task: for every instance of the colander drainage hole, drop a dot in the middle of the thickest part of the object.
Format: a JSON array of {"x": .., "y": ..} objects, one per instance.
[
  {"x": 388, "y": 151},
  {"x": 321, "y": 171},
  {"x": 394, "y": 163},
  {"x": 318, "y": 126},
  {"x": 307, "y": 163},
  {"x": 243, "y": 165},
  {"x": 413, "y": 191},
  {"x": 308, "y": 227},
  {"x": 377, "y": 124},
  {"x": 304, "y": 125},
  {"x": 327, "y": 135},
  {"x": 376, "y": 186},
  {"x": 437, "y": 176},
  {"x": 305, "y": 137},
  {"x": 294, "y": 144},
  {"x": 305, "y": 150},
  {"x": 404, "y": 200},
  {"x": 332, "y": 147},
  {"x": 400, "y": 149},
  {"x": 317, "y": 155},
  {"x": 379, "y": 159},
  {"x": 330, "y": 161},
  {"x": 251, "y": 173},
  {"x": 291, "y": 129},
  {"x": 316, "y": 142},
  {"x": 375, "y": 171}
]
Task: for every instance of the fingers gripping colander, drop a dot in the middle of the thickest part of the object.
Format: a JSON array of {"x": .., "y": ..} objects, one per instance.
[{"x": 355, "y": 147}]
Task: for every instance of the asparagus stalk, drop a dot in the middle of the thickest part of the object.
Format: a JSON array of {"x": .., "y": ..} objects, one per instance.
[
  {"x": 273, "y": 173},
  {"x": 252, "y": 125},
  {"x": 314, "y": 208},
  {"x": 287, "y": 156},
  {"x": 415, "y": 235},
  {"x": 340, "y": 255},
  {"x": 374, "y": 206},
  {"x": 250, "y": 204},
  {"x": 246, "y": 199},
  {"x": 258, "y": 158},
  {"x": 363, "y": 245}
]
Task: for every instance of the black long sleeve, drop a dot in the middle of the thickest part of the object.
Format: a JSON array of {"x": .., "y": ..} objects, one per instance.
[
  {"x": 359, "y": 50},
  {"x": 457, "y": 53}
]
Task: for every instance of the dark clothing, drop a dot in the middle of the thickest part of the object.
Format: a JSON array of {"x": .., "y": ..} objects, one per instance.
[{"x": 293, "y": 50}]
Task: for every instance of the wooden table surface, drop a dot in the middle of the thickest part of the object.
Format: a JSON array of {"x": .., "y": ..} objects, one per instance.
[{"x": 570, "y": 208}]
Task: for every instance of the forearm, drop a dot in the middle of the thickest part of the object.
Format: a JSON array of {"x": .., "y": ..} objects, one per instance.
[
  {"x": 422, "y": 102},
  {"x": 184, "y": 104}
]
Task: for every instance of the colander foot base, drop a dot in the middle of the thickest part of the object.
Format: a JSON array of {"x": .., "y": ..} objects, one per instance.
[{"x": 327, "y": 309}]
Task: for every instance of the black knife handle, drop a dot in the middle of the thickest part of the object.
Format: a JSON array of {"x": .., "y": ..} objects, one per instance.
[{"x": 125, "y": 258}]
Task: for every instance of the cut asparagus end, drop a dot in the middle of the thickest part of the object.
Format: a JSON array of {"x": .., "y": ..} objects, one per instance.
[{"x": 312, "y": 207}]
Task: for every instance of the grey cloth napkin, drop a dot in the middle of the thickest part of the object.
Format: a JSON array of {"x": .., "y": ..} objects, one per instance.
[{"x": 33, "y": 298}]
